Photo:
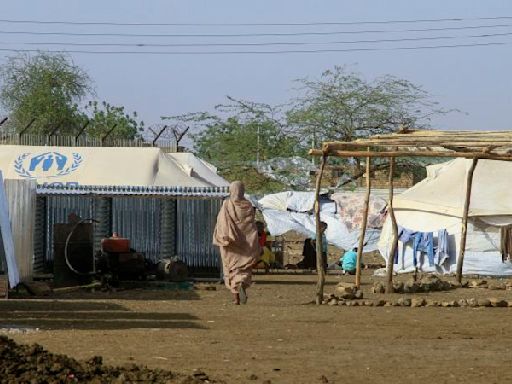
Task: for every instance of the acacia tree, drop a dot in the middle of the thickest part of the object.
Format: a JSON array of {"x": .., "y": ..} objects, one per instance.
[
  {"x": 45, "y": 87},
  {"x": 342, "y": 105}
]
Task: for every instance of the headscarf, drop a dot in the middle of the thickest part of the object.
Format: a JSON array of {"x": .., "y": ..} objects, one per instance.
[{"x": 235, "y": 222}]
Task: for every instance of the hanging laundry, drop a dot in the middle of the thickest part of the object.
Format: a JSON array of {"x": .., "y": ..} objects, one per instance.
[
  {"x": 442, "y": 246},
  {"x": 404, "y": 236},
  {"x": 424, "y": 242},
  {"x": 506, "y": 243}
]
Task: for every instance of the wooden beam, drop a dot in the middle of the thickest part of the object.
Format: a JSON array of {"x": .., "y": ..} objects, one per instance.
[
  {"x": 417, "y": 143},
  {"x": 466, "y": 155},
  {"x": 319, "y": 258},
  {"x": 362, "y": 232},
  {"x": 462, "y": 245},
  {"x": 394, "y": 230}
]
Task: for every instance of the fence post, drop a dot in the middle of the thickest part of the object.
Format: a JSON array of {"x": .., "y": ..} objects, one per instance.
[
  {"x": 158, "y": 135},
  {"x": 80, "y": 132},
  {"x": 20, "y": 134},
  {"x": 108, "y": 134}
]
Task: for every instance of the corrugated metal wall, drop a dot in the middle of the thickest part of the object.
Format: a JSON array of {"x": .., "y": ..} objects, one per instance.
[
  {"x": 195, "y": 224},
  {"x": 21, "y": 197},
  {"x": 139, "y": 220},
  {"x": 188, "y": 225}
]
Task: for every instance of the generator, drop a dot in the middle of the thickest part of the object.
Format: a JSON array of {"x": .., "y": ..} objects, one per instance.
[{"x": 119, "y": 260}]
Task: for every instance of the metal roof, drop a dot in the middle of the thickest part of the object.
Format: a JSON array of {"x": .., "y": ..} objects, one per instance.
[{"x": 129, "y": 190}]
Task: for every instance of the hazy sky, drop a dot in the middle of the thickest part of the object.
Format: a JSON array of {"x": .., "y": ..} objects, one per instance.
[{"x": 476, "y": 80}]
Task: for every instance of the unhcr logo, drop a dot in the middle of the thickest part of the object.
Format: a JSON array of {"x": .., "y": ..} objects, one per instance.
[{"x": 48, "y": 164}]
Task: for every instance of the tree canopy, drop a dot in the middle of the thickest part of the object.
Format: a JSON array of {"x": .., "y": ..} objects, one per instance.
[
  {"x": 47, "y": 87},
  {"x": 108, "y": 119},
  {"x": 48, "y": 90},
  {"x": 342, "y": 105}
]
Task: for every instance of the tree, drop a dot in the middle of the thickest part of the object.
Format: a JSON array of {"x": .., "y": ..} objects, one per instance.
[
  {"x": 250, "y": 133},
  {"x": 242, "y": 135},
  {"x": 108, "y": 119},
  {"x": 46, "y": 87},
  {"x": 343, "y": 106}
]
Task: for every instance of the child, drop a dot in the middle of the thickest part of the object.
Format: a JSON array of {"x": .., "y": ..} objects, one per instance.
[{"x": 349, "y": 262}]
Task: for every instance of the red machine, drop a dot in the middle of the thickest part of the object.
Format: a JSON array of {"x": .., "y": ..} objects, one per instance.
[{"x": 123, "y": 262}]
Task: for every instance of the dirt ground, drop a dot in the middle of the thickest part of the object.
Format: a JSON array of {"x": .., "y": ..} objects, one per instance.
[{"x": 278, "y": 337}]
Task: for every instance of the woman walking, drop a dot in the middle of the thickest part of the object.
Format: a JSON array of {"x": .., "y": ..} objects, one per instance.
[{"x": 237, "y": 237}]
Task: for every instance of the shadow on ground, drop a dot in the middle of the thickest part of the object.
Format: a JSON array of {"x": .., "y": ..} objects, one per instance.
[{"x": 51, "y": 315}]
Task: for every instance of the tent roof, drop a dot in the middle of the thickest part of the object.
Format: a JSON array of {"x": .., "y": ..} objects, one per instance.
[
  {"x": 62, "y": 168},
  {"x": 443, "y": 191}
]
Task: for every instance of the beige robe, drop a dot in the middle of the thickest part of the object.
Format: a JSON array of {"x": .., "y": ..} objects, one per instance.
[{"x": 237, "y": 237}]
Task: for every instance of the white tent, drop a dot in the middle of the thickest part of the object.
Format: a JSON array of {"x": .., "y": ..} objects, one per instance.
[
  {"x": 127, "y": 166},
  {"x": 437, "y": 203}
]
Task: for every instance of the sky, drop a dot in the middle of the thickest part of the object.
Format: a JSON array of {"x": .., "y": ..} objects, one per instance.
[{"x": 476, "y": 80}]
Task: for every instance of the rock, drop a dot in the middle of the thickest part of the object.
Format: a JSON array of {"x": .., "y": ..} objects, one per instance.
[
  {"x": 404, "y": 302},
  {"x": 462, "y": 303},
  {"x": 379, "y": 303},
  {"x": 253, "y": 377},
  {"x": 344, "y": 287},
  {"x": 398, "y": 287},
  {"x": 368, "y": 303},
  {"x": 472, "y": 302},
  {"x": 332, "y": 302},
  {"x": 324, "y": 379},
  {"x": 496, "y": 286},
  {"x": 444, "y": 285},
  {"x": 324, "y": 301},
  {"x": 358, "y": 295},
  {"x": 498, "y": 302},
  {"x": 450, "y": 303},
  {"x": 378, "y": 287},
  {"x": 484, "y": 302},
  {"x": 347, "y": 296},
  {"x": 432, "y": 303},
  {"x": 477, "y": 283},
  {"x": 353, "y": 303},
  {"x": 418, "y": 302},
  {"x": 411, "y": 287},
  {"x": 510, "y": 303},
  {"x": 341, "y": 302}
]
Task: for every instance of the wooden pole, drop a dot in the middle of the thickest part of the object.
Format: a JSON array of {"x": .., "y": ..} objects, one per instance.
[
  {"x": 394, "y": 230},
  {"x": 463, "y": 235},
  {"x": 363, "y": 224},
  {"x": 319, "y": 259}
]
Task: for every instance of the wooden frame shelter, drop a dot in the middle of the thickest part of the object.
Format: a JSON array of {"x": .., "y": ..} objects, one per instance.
[{"x": 475, "y": 145}]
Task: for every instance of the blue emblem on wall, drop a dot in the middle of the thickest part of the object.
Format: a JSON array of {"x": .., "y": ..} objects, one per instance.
[{"x": 48, "y": 164}]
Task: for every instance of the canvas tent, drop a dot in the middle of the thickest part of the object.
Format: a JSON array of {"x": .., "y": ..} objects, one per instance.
[
  {"x": 438, "y": 203},
  {"x": 100, "y": 166}
]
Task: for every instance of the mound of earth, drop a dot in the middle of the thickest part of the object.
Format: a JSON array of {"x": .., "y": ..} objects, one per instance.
[{"x": 32, "y": 364}]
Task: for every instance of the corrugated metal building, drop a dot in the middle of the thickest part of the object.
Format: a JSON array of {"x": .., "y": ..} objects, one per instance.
[{"x": 160, "y": 222}]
